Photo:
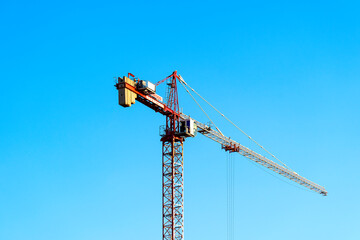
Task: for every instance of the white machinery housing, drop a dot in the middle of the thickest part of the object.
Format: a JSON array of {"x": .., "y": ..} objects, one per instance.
[
  {"x": 188, "y": 128},
  {"x": 146, "y": 87}
]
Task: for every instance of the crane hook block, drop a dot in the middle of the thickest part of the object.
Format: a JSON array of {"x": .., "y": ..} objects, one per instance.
[{"x": 126, "y": 96}]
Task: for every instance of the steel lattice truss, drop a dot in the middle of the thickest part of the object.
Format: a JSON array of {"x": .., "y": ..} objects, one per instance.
[
  {"x": 229, "y": 144},
  {"x": 173, "y": 189}
]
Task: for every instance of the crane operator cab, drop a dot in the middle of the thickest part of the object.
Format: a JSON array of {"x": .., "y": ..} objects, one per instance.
[{"x": 188, "y": 128}]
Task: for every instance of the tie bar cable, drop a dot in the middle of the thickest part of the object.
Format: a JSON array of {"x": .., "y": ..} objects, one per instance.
[{"x": 184, "y": 83}]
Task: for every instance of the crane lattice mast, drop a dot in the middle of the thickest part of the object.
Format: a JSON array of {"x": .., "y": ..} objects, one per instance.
[
  {"x": 178, "y": 127},
  {"x": 172, "y": 168}
]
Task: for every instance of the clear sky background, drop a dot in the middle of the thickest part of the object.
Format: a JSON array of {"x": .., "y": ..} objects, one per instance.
[{"x": 75, "y": 165}]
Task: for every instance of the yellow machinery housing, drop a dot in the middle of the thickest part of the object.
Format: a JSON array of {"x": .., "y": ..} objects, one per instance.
[{"x": 126, "y": 97}]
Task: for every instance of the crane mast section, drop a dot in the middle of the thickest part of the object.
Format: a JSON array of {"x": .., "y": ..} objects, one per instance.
[{"x": 228, "y": 143}]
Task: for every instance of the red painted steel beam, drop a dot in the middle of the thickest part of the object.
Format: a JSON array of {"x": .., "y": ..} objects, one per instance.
[{"x": 148, "y": 101}]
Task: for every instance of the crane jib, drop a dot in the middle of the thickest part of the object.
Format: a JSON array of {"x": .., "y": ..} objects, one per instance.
[{"x": 246, "y": 152}]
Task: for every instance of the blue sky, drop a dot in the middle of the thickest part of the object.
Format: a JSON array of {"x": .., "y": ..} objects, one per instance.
[{"x": 75, "y": 165}]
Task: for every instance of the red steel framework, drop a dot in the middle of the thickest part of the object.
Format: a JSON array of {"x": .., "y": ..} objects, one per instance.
[{"x": 173, "y": 165}]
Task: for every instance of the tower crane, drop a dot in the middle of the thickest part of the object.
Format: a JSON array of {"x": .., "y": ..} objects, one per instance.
[{"x": 178, "y": 127}]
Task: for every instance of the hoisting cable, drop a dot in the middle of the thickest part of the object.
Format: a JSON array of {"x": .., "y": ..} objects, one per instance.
[
  {"x": 202, "y": 109},
  {"x": 233, "y": 195},
  {"x": 227, "y": 198},
  {"x": 230, "y": 183},
  {"x": 184, "y": 83}
]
